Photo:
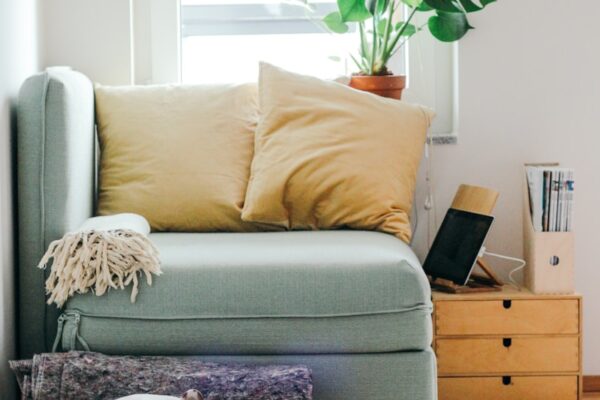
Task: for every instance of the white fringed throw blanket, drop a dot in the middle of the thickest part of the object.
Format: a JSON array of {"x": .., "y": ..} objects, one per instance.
[{"x": 105, "y": 252}]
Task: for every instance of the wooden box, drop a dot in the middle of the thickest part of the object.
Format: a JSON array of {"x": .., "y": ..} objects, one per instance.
[
  {"x": 549, "y": 256},
  {"x": 508, "y": 345}
]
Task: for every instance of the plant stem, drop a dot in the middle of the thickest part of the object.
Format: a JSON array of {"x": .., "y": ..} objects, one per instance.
[
  {"x": 362, "y": 65},
  {"x": 388, "y": 29},
  {"x": 363, "y": 46},
  {"x": 391, "y": 49},
  {"x": 419, "y": 29},
  {"x": 374, "y": 45},
  {"x": 356, "y": 62}
]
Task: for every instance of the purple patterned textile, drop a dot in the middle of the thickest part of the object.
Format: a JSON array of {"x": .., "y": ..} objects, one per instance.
[{"x": 86, "y": 375}]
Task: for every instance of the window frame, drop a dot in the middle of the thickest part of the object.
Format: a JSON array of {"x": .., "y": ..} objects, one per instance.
[
  {"x": 250, "y": 19},
  {"x": 158, "y": 28}
]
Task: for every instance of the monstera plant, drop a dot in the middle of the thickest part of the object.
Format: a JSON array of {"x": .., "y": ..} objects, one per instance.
[{"x": 382, "y": 34}]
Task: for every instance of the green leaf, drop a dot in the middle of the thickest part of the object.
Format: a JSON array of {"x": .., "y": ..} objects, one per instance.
[
  {"x": 413, "y": 3},
  {"x": 453, "y": 5},
  {"x": 334, "y": 23},
  {"x": 424, "y": 7},
  {"x": 408, "y": 31},
  {"x": 448, "y": 27},
  {"x": 353, "y": 10},
  {"x": 444, "y": 5},
  {"x": 470, "y": 6},
  {"x": 377, "y": 7}
]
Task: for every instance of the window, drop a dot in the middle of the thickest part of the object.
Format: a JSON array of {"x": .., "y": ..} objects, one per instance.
[
  {"x": 223, "y": 41},
  {"x": 236, "y": 35}
]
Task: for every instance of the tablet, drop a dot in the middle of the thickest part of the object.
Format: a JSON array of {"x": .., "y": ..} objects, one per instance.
[{"x": 456, "y": 246}]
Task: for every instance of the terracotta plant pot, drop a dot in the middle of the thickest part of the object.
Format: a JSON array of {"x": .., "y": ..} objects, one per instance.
[{"x": 385, "y": 85}]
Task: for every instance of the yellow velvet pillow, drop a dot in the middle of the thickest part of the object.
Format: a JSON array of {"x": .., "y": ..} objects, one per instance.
[
  {"x": 328, "y": 156},
  {"x": 178, "y": 155}
]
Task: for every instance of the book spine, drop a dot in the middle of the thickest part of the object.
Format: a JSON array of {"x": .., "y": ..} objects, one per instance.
[
  {"x": 546, "y": 201},
  {"x": 553, "y": 199},
  {"x": 535, "y": 185},
  {"x": 569, "y": 200},
  {"x": 566, "y": 201},
  {"x": 552, "y": 188},
  {"x": 559, "y": 202}
]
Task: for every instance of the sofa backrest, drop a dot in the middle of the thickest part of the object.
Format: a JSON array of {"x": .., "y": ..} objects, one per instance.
[{"x": 56, "y": 174}]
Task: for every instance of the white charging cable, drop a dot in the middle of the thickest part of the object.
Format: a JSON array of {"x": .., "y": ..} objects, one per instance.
[
  {"x": 521, "y": 265},
  {"x": 429, "y": 203}
]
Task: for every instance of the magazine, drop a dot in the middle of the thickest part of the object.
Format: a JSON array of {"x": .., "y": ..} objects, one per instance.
[{"x": 551, "y": 190}]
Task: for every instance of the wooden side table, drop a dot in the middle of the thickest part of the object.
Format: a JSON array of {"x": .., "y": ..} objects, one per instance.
[{"x": 508, "y": 345}]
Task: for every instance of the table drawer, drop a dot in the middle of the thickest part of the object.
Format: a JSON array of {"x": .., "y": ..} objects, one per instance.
[
  {"x": 507, "y": 317},
  {"x": 507, "y": 355},
  {"x": 509, "y": 388}
]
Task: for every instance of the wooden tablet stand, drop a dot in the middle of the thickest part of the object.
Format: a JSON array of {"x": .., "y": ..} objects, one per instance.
[
  {"x": 478, "y": 200},
  {"x": 477, "y": 282}
]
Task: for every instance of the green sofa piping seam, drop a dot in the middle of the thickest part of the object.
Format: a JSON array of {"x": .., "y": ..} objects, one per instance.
[{"x": 426, "y": 309}]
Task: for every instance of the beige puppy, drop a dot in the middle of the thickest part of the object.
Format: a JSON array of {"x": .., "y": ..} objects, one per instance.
[{"x": 192, "y": 394}]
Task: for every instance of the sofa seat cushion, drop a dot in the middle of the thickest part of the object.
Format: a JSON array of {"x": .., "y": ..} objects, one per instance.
[{"x": 270, "y": 292}]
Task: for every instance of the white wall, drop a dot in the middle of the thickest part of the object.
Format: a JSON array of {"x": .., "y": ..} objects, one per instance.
[
  {"x": 97, "y": 38},
  {"x": 18, "y": 59},
  {"x": 529, "y": 91},
  {"x": 92, "y": 36}
]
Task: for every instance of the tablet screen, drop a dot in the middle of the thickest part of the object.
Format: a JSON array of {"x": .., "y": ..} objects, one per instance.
[{"x": 456, "y": 246}]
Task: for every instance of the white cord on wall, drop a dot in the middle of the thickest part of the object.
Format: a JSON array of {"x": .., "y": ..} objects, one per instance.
[
  {"x": 429, "y": 203},
  {"x": 521, "y": 265},
  {"x": 415, "y": 218}
]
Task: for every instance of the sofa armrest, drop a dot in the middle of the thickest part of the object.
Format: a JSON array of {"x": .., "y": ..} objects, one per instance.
[{"x": 55, "y": 185}]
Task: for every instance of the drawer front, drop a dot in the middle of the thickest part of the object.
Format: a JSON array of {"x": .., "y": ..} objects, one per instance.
[
  {"x": 509, "y": 388},
  {"x": 507, "y": 317},
  {"x": 507, "y": 355}
]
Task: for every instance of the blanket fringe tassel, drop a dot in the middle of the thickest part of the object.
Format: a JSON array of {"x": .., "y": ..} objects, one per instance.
[{"x": 98, "y": 261}]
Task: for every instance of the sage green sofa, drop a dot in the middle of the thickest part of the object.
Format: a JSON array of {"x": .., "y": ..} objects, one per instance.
[{"x": 352, "y": 305}]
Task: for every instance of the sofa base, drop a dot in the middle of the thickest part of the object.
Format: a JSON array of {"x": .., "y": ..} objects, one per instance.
[
  {"x": 376, "y": 333},
  {"x": 404, "y": 375},
  {"x": 380, "y": 376}
]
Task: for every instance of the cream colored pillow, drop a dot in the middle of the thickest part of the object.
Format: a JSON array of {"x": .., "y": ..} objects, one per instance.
[
  {"x": 178, "y": 155},
  {"x": 328, "y": 156}
]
